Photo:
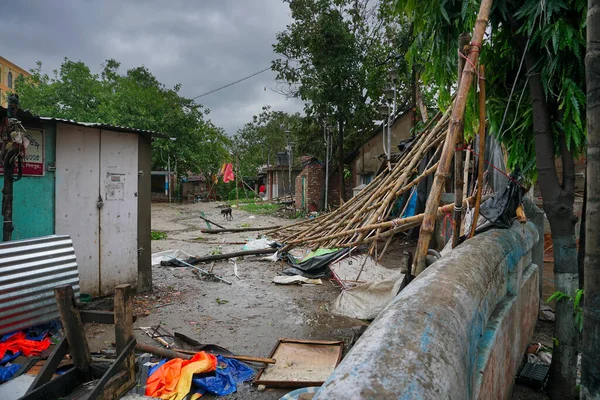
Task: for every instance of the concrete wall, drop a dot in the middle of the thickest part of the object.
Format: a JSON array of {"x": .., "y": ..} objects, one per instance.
[
  {"x": 458, "y": 331},
  {"x": 33, "y": 196}
]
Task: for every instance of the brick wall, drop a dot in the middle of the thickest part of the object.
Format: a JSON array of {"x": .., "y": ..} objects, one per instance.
[
  {"x": 334, "y": 189},
  {"x": 314, "y": 176}
]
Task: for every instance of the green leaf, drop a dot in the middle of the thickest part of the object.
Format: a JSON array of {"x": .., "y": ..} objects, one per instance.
[
  {"x": 558, "y": 296},
  {"x": 578, "y": 296}
]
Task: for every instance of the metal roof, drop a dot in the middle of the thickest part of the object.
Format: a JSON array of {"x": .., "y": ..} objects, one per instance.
[
  {"x": 100, "y": 125},
  {"x": 26, "y": 115}
]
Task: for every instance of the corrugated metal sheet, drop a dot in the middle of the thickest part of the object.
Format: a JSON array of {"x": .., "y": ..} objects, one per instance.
[
  {"x": 29, "y": 272},
  {"x": 26, "y": 116},
  {"x": 100, "y": 125}
]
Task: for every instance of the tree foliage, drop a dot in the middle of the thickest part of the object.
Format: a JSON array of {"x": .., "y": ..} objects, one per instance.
[
  {"x": 135, "y": 99},
  {"x": 258, "y": 142},
  {"x": 536, "y": 105},
  {"x": 554, "y": 30},
  {"x": 335, "y": 56}
]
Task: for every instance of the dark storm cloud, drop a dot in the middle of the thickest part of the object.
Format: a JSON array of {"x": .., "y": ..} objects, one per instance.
[{"x": 202, "y": 44}]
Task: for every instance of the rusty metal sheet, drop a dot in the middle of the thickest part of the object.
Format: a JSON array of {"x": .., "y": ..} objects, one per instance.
[{"x": 29, "y": 271}]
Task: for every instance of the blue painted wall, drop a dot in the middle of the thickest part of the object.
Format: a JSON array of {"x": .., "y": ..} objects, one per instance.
[{"x": 33, "y": 203}]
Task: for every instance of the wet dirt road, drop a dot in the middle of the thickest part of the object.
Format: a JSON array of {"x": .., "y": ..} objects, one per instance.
[{"x": 247, "y": 317}]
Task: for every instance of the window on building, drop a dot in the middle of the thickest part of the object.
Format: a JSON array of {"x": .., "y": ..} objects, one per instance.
[
  {"x": 366, "y": 179},
  {"x": 9, "y": 80}
]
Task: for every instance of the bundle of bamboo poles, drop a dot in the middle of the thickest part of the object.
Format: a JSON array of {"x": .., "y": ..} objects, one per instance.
[{"x": 366, "y": 217}]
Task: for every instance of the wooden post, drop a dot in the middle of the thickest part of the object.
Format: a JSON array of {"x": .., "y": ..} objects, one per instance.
[
  {"x": 481, "y": 149},
  {"x": 463, "y": 48},
  {"x": 123, "y": 317},
  {"x": 73, "y": 327},
  {"x": 7, "y": 195},
  {"x": 8, "y": 157},
  {"x": 456, "y": 123}
]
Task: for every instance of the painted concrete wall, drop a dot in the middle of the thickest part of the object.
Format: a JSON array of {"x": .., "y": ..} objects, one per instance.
[
  {"x": 33, "y": 202},
  {"x": 458, "y": 331}
]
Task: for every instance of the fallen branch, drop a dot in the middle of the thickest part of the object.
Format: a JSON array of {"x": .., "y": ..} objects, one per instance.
[
  {"x": 224, "y": 230},
  {"x": 210, "y": 222},
  {"x": 187, "y": 354},
  {"x": 215, "y": 257}
]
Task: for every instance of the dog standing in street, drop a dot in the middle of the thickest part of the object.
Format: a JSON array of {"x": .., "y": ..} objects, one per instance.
[{"x": 226, "y": 213}]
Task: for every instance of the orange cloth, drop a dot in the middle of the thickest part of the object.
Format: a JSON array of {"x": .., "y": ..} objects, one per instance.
[
  {"x": 19, "y": 342},
  {"x": 173, "y": 380},
  {"x": 228, "y": 174}
]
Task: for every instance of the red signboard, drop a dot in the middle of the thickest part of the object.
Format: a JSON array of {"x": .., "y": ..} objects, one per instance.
[{"x": 33, "y": 164}]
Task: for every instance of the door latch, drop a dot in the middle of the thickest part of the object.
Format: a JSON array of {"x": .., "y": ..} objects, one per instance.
[{"x": 100, "y": 203}]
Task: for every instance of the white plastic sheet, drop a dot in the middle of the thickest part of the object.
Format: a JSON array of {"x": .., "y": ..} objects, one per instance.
[
  {"x": 258, "y": 244},
  {"x": 376, "y": 288}
]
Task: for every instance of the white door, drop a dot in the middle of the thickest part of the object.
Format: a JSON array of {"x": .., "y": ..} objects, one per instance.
[
  {"x": 77, "y": 176},
  {"x": 92, "y": 166},
  {"x": 118, "y": 216}
]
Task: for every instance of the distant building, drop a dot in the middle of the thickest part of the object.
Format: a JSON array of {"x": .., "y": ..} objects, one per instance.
[
  {"x": 363, "y": 163},
  {"x": 9, "y": 73}
]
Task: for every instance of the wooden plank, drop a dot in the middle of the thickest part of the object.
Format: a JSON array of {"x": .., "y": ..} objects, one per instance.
[
  {"x": 49, "y": 367},
  {"x": 73, "y": 327},
  {"x": 58, "y": 387},
  {"x": 99, "y": 317},
  {"x": 115, "y": 368}
]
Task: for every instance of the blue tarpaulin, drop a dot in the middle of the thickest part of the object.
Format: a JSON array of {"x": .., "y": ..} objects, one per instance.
[{"x": 221, "y": 382}]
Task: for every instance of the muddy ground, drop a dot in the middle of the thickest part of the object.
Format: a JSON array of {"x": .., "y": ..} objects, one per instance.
[{"x": 247, "y": 317}]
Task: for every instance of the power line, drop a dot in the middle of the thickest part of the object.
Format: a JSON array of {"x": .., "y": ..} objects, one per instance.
[{"x": 232, "y": 83}]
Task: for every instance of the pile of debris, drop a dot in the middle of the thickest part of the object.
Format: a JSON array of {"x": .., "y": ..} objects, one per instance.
[{"x": 366, "y": 217}]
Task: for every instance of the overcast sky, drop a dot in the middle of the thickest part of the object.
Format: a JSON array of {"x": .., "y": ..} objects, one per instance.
[{"x": 202, "y": 44}]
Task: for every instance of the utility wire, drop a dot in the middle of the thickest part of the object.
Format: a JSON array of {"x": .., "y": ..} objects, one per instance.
[{"x": 231, "y": 84}]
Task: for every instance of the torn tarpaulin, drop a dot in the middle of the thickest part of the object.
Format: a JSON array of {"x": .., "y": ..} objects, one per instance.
[
  {"x": 8, "y": 371},
  {"x": 18, "y": 342},
  {"x": 501, "y": 209},
  {"x": 222, "y": 381},
  {"x": 312, "y": 266},
  {"x": 225, "y": 378}
]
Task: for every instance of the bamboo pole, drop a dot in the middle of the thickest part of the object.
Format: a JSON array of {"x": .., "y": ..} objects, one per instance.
[
  {"x": 442, "y": 211},
  {"x": 463, "y": 47},
  {"x": 397, "y": 223},
  {"x": 466, "y": 172},
  {"x": 481, "y": 149},
  {"x": 458, "y": 111}
]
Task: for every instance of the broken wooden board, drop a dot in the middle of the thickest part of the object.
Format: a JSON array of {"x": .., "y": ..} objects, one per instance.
[{"x": 301, "y": 363}]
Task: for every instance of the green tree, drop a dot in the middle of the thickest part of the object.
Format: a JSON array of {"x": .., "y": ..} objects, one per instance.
[
  {"x": 536, "y": 105},
  {"x": 336, "y": 54},
  {"x": 258, "y": 142},
  {"x": 135, "y": 99}
]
